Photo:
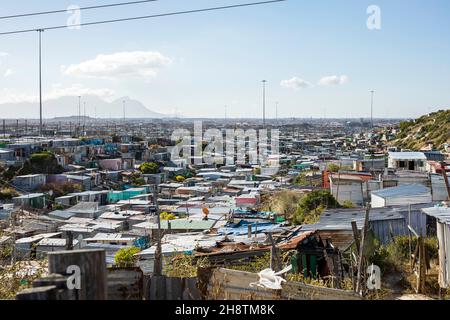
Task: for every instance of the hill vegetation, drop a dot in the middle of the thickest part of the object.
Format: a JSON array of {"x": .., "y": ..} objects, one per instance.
[{"x": 429, "y": 129}]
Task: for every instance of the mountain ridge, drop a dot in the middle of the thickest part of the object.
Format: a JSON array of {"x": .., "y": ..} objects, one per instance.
[
  {"x": 418, "y": 134},
  {"x": 68, "y": 106}
]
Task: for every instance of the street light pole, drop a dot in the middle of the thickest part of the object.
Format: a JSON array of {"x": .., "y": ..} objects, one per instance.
[
  {"x": 264, "y": 102},
  {"x": 371, "y": 108},
  {"x": 79, "y": 113},
  {"x": 40, "y": 80}
]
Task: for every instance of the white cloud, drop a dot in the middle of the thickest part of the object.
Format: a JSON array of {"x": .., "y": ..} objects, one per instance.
[
  {"x": 295, "y": 83},
  {"x": 333, "y": 80},
  {"x": 120, "y": 64},
  {"x": 4, "y": 54},
  {"x": 57, "y": 91},
  {"x": 8, "y": 72}
]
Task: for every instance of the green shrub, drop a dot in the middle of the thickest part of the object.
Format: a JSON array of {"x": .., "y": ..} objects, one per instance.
[
  {"x": 125, "y": 257},
  {"x": 312, "y": 205},
  {"x": 184, "y": 266},
  {"x": 8, "y": 194},
  {"x": 149, "y": 168},
  {"x": 167, "y": 216}
]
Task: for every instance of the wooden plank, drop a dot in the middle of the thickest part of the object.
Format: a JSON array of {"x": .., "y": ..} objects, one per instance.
[
  {"x": 125, "y": 284},
  {"x": 92, "y": 264},
  {"x": 235, "y": 285},
  {"x": 40, "y": 293}
]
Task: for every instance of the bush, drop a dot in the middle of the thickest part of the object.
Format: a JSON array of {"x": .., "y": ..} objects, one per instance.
[
  {"x": 347, "y": 204},
  {"x": 389, "y": 256},
  {"x": 167, "y": 216},
  {"x": 149, "y": 168},
  {"x": 125, "y": 258},
  {"x": 8, "y": 194},
  {"x": 184, "y": 266},
  {"x": 180, "y": 179},
  {"x": 60, "y": 189}
]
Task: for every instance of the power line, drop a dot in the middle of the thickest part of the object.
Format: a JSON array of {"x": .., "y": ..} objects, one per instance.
[
  {"x": 144, "y": 17},
  {"x": 81, "y": 8}
]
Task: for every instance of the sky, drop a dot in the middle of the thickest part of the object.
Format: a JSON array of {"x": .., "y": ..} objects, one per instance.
[{"x": 320, "y": 58}]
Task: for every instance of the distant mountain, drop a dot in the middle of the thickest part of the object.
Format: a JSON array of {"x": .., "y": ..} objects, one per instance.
[
  {"x": 68, "y": 106},
  {"x": 432, "y": 129}
]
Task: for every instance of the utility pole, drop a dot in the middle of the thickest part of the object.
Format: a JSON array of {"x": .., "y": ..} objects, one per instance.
[
  {"x": 264, "y": 102},
  {"x": 40, "y": 80},
  {"x": 371, "y": 108},
  {"x": 157, "y": 267}
]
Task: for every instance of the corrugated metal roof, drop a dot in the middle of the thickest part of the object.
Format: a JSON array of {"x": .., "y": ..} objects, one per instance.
[
  {"x": 406, "y": 190},
  {"x": 440, "y": 213},
  {"x": 407, "y": 155}
]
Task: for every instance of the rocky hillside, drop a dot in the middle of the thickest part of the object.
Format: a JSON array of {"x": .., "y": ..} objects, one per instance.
[{"x": 429, "y": 129}]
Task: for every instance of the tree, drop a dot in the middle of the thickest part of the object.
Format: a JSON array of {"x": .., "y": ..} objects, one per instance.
[
  {"x": 312, "y": 205},
  {"x": 149, "y": 168},
  {"x": 333, "y": 167},
  {"x": 125, "y": 257},
  {"x": 41, "y": 163}
]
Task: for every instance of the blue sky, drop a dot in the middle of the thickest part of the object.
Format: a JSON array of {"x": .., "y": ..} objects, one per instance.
[{"x": 199, "y": 63}]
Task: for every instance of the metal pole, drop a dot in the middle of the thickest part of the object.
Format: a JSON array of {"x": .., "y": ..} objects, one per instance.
[
  {"x": 371, "y": 109},
  {"x": 276, "y": 111},
  {"x": 40, "y": 80},
  {"x": 264, "y": 102},
  {"x": 124, "y": 115}
]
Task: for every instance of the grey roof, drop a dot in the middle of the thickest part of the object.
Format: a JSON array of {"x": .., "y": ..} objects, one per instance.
[
  {"x": 61, "y": 214},
  {"x": 440, "y": 213},
  {"x": 407, "y": 155},
  {"x": 402, "y": 190},
  {"x": 341, "y": 219}
]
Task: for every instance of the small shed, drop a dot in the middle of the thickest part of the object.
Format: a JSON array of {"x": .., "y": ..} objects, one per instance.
[{"x": 401, "y": 195}]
